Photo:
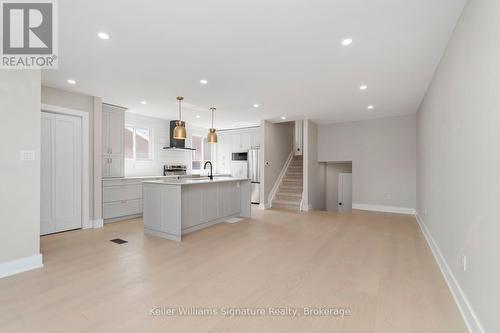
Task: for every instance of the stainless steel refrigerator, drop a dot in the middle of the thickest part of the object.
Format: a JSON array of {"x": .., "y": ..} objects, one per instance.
[{"x": 254, "y": 173}]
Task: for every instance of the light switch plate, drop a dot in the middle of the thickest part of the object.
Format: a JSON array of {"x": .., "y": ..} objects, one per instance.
[{"x": 27, "y": 155}]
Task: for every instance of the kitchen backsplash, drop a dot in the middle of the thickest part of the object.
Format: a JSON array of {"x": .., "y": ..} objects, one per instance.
[{"x": 160, "y": 129}]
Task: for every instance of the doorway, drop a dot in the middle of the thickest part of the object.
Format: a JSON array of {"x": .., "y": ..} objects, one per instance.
[
  {"x": 61, "y": 173},
  {"x": 335, "y": 192}
]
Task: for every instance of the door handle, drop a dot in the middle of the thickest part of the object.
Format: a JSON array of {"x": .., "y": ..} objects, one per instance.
[{"x": 340, "y": 203}]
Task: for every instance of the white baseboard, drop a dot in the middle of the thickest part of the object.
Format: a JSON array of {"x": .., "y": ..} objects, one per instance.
[
  {"x": 386, "y": 209},
  {"x": 263, "y": 205},
  {"x": 99, "y": 223},
  {"x": 468, "y": 313},
  {"x": 20, "y": 265}
]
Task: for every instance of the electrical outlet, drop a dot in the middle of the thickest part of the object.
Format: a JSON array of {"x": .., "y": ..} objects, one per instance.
[{"x": 464, "y": 262}]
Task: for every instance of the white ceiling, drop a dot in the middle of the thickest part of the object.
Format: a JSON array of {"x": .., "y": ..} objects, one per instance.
[{"x": 285, "y": 55}]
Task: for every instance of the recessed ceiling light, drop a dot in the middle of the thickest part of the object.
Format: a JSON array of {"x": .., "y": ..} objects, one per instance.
[
  {"x": 198, "y": 116},
  {"x": 347, "y": 41},
  {"x": 144, "y": 102},
  {"x": 363, "y": 87},
  {"x": 103, "y": 35},
  {"x": 203, "y": 81},
  {"x": 256, "y": 105},
  {"x": 283, "y": 118},
  {"x": 71, "y": 81},
  {"x": 371, "y": 107}
]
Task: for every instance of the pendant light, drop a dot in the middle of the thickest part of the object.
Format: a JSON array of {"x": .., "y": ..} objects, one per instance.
[
  {"x": 180, "y": 129},
  {"x": 212, "y": 136}
]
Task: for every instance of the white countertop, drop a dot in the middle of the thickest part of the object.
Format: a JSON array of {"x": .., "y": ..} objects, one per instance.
[
  {"x": 167, "y": 177},
  {"x": 191, "y": 181},
  {"x": 146, "y": 177}
]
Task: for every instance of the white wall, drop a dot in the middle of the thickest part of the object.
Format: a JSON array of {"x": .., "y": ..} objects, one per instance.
[
  {"x": 161, "y": 134},
  {"x": 92, "y": 105},
  {"x": 314, "y": 196},
  {"x": 383, "y": 155},
  {"x": 276, "y": 145},
  {"x": 332, "y": 179},
  {"x": 459, "y": 162},
  {"x": 20, "y": 189}
]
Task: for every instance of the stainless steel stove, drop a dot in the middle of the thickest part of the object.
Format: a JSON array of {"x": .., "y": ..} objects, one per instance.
[{"x": 174, "y": 169}]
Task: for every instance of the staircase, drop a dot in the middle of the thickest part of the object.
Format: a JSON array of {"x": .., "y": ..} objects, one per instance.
[{"x": 289, "y": 194}]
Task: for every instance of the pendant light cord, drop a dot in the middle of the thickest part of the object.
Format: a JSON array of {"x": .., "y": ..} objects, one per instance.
[{"x": 180, "y": 115}]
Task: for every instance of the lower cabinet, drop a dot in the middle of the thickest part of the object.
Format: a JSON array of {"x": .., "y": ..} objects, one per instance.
[
  {"x": 122, "y": 198},
  {"x": 121, "y": 208}
]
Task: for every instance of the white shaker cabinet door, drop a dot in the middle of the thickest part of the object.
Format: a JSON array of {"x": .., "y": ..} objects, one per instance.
[
  {"x": 115, "y": 166},
  {"x": 115, "y": 133}
]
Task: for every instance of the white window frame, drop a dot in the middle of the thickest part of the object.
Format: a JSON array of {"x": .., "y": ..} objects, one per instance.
[
  {"x": 151, "y": 155},
  {"x": 194, "y": 152}
]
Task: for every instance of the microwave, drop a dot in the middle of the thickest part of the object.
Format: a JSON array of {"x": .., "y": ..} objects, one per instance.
[{"x": 243, "y": 156}]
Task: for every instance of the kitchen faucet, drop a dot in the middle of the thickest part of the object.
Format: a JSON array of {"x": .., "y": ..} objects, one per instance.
[{"x": 211, "y": 176}]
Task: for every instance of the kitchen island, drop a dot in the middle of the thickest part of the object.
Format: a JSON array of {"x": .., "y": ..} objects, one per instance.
[{"x": 174, "y": 207}]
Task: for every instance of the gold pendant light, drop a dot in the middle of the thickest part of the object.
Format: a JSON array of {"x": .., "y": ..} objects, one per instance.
[
  {"x": 212, "y": 136},
  {"x": 180, "y": 129}
]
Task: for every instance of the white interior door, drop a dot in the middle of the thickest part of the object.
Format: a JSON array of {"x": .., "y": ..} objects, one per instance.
[
  {"x": 345, "y": 192},
  {"x": 61, "y": 173},
  {"x": 47, "y": 220}
]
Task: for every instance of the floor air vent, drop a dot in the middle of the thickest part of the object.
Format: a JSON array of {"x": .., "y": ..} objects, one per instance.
[{"x": 118, "y": 241}]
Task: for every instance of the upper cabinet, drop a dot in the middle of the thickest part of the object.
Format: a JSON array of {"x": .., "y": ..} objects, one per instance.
[
  {"x": 113, "y": 125},
  {"x": 234, "y": 141}
]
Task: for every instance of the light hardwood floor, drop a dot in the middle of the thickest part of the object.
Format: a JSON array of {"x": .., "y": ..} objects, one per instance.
[{"x": 377, "y": 264}]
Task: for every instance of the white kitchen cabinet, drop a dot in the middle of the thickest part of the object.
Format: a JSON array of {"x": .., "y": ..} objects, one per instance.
[
  {"x": 122, "y": 198},
  {"x": 115, "y": 133},
  {"x": 255, "y": 139},
  {"x": 112, "y": 166},
  {"x": 122, "y": 192},
  {"x": 113, "y": 125},
  {"x": 239, "y": 169},
  {"x": 116, "y": 166},
  {"x": 112, "y": 210},
  {"x": 231, "y": 141},
  {"x": 235, "y": 140},
  {"x": 245, "y": 141}
]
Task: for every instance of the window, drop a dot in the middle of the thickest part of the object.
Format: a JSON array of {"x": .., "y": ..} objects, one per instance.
[
  {"x": 202, "y": 152},
  {"x": 197, "y": 143},
  {"x": 138, "y": 143}
]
